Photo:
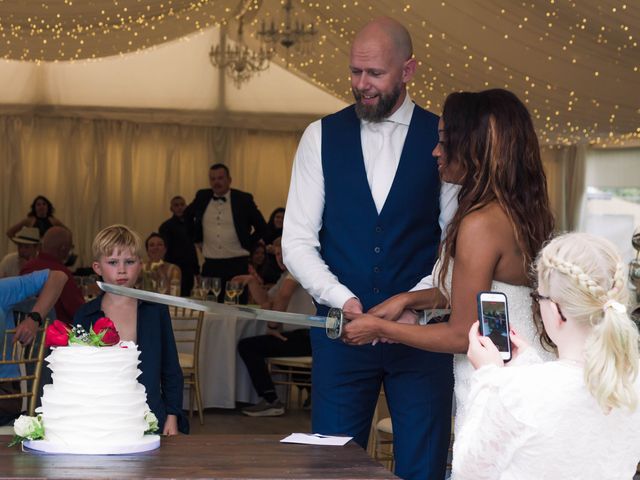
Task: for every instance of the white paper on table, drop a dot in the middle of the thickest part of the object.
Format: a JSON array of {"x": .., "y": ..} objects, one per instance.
[{"x": 315, "y": 439}]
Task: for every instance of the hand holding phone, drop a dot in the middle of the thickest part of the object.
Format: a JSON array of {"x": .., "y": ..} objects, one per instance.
[
  {"x": 493, "y": 315},
  {"x": 482, "y": 351}
]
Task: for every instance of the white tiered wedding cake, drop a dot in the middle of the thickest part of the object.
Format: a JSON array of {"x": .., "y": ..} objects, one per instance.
[{"x": 96, "y": 404}]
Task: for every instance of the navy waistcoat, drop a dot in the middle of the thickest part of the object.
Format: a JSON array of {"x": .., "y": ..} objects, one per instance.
[{"x": 377, "y": 256}]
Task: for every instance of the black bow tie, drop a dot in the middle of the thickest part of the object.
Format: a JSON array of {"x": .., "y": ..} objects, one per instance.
[{"x": 219, "y": 199}]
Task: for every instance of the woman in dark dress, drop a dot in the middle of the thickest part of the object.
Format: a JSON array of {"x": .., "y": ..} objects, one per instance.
[{"x": 40, "y": 216}]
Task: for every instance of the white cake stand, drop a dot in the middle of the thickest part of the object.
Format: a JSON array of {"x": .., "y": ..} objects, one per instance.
[{"x": 148, "y": 442}]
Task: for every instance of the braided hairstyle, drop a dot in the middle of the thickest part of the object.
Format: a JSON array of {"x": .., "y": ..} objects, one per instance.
[{"x": 585, "y": 277}]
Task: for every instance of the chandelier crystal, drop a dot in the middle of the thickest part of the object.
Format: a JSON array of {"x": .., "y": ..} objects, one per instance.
[
  {"x": 239, "y": 62},
  {"x": 288, "y": 34}
]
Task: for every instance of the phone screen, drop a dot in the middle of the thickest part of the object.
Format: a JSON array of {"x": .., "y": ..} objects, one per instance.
[{"x": 494, "y": 323}]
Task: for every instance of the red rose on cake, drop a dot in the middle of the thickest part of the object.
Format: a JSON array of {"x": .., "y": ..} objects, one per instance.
[
  {"x": 105, "y": 329},
  {"x": 57, "y": 334}
]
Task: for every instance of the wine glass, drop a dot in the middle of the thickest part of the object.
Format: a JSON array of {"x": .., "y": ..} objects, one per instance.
[
  {"x": 230, "y": 292},
  {"x": 216, "y": 287},
  {"x": 239, "y": 288},
  {"x": 83, "y": 285}
]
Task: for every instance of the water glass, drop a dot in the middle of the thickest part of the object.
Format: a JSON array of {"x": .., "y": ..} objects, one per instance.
[
  {"x": 216, "y": 287},
  {"x": 205, "y": 285}
]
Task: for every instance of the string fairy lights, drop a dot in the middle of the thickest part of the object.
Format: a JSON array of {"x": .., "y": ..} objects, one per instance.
[{"x": 576, "y": 64}]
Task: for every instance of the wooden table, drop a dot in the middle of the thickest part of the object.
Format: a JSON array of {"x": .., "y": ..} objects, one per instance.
[{"x": 201, "y": 456}]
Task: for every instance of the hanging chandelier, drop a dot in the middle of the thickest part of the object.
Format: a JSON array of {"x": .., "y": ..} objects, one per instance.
[
  {"x": 239, "y": 62},
  {"x": 288, "y": 34}
]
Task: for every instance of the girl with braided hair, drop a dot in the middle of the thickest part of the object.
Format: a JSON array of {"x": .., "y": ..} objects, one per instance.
[{"x": 573, "y": 418}]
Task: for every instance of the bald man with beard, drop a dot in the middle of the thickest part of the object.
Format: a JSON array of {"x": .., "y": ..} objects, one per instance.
[
  {"x": 364, "y": 219},
  {"x": 57, "y": 243}
]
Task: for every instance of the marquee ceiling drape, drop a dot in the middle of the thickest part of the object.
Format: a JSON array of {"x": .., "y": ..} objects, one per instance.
[{"x": 575, "y": 63}]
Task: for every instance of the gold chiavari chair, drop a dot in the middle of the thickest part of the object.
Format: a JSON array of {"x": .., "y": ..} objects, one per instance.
[
  {"x": 29, "y": 360},
  {"x": 291, "y": 372},
  {"x": 187, "y": 328}
]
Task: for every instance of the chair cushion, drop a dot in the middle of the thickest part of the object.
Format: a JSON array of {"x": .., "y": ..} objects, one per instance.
[
  {"x": 186, "y": 360},
  {"x": 303, "y": 362},
  {"x": 385, "y": 425}
]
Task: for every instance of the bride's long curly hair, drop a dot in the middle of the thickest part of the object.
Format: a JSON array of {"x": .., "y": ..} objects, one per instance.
[{"x": 491, "y": 135}]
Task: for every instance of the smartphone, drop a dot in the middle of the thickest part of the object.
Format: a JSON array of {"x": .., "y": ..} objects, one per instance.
[{"x": 494, "y": 321}]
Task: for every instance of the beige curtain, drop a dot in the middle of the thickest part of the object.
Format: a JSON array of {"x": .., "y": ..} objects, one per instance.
[
  {"x": 565, "y": 168},
  {"x": 100, "y": 172}
]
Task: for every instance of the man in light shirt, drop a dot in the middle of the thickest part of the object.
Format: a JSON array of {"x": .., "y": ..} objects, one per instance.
[
  {"x": 364, "y": 219},
  {"x": 227, "y": 224}
]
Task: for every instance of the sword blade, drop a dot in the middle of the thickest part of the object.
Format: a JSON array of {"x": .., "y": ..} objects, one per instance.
[{"x": 332, "y": 322}]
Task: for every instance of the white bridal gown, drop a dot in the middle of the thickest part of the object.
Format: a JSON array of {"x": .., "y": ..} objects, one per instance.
[{"x": 520, "y": 319}]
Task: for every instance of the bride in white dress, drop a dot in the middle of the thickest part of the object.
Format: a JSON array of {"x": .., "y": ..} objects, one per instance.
[
  {"x": 488, "y": 146},
  {"x": 520, "y": 320}
]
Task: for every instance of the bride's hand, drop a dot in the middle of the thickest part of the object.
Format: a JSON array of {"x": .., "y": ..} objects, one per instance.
[
  {"x": 392, "y": 308},
  {"x": 482, "y": 350},
  {"x": 361, "y": 329}
]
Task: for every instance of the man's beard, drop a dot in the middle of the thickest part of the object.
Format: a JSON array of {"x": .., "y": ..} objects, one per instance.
[{"x": 380, "y": 111}]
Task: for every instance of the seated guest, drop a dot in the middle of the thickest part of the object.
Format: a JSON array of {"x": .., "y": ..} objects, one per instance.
[
  {"x": 180, "y": 248},
  {"x": 274, "y": 226},
  {"x": 576, "y": 417},
  {"x": 257, "y": 259},
  {"x": 285, "y": 296},
  {"x": 164, "y": 274},
  {"x": 117, "y": 252},
  {"x": 47, "y": 285},
  {"x": 40, "y": 216},
  {"x": 56, "y": 246},
  {"x": 270, "y": 271},
  {"x": 27, "y": 241}
]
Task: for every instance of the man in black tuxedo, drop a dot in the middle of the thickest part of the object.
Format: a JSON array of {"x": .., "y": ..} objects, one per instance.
[
  {"x": 227, "y": 224},
  {"x": 181, "y": 251}
]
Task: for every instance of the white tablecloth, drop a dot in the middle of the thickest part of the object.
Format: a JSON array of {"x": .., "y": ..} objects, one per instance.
[{"x": 224, "y": 379}]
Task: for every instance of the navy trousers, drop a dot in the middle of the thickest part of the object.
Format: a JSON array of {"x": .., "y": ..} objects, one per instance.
[{"x": 418, "y": 387}]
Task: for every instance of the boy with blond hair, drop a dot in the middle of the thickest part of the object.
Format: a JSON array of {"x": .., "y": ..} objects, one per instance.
[{"x": 117, "y": 253}]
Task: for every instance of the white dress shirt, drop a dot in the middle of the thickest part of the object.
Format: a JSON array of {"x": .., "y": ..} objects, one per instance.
[
  {"x": 219, "y": 236},
  {"x": 305, "y": 205}
]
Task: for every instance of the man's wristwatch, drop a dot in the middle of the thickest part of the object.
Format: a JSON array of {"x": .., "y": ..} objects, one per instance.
[{"x": 36, "y": 317}]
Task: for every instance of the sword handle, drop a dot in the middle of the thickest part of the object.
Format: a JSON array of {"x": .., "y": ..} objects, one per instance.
[{"x": 335, "y": 321}]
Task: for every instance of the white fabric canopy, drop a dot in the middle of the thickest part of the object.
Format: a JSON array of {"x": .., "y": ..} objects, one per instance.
[
  {"x": 577, "y": 64},
  {"x": 175, "y": 77}
]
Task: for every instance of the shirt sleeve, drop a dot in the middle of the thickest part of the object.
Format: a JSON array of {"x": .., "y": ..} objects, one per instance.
[
  {"x": 490, "y": 432},
  {"x": 448, "y": 207},
  {"x": 16, "y": 289},
  {"x": 303, "y": 221}
]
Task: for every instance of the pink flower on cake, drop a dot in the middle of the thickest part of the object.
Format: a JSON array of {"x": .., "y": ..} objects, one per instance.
[
  {"x": 105, "y": 328},
  {"x": 57, "y": 334}
]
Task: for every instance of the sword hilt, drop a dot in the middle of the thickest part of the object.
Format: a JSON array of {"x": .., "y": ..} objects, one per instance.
[{"x": 335, "y": 321}]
